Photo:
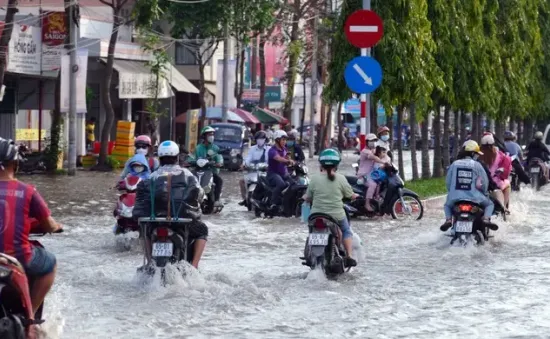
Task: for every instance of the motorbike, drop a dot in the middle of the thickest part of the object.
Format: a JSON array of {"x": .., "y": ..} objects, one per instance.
[
  {"x": 394, "y": 199},
  {"x": 467, "y": 224},
  {"x": 323, "y": 247},
  {"x": 292, "y": 194},
  {"x": 16, "y": 314},
  {"x": 251, "y": 180},
  {"x": 166, "y": 242},
  {"x": 125, "y": 205},
  {"x": 536, "y": 172},
  {"x": 205, "y": 176},
  {"x": 30, "y": 162}
]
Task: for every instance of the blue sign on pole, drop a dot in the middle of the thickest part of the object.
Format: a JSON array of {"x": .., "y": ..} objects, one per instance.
[{"x": 363, "y": 75}]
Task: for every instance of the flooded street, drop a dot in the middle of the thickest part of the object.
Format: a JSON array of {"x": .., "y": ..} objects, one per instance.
[{"x": 251, "y": 282}]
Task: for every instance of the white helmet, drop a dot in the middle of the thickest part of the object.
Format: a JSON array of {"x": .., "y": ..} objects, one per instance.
[
  {"x": 382, "y": 145},
  {"x": 278, "y": 134},
  {"x": 372, "y": 137},
  {"x": 168, "y": 149}
]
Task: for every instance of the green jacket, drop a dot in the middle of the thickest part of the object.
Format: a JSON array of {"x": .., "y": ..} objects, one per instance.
[{"x": 210, "y": 152}]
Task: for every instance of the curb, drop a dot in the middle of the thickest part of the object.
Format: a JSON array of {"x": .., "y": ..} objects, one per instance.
[{"x": 434, "y": 202}]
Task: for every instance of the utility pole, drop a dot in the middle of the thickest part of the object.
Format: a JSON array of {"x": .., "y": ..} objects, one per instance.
[
  {"x": 225, "y": 90},
  {"x": 365, "y": 98},
  {"x": 72, "y": 91},
  {"x": 313, "y": 82}
]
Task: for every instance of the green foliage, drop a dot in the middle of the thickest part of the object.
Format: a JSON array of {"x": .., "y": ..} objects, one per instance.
[
  {"x": 54, "y": 146},
  {"x": 158, "y": 65},
  {"x": 250, "y": 16},
  {"x": 113, "y": 163}
]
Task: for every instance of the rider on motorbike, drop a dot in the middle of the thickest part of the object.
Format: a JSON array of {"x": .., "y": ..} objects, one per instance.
[
  {"x": 326, "y": 191},
  {"x": 207, "y": 150},
  {"x": 277, "y": 171},
  {"x": 537, "y": 149},
  {"x": 257, "y": 154},
  {"x": 512, "y": 147},
  {"x": 139, "y": 167},
  {"x": 367, "y": 161},
  {"x": 293, "y": 148},
  {"x": 168, "y": 152},
  {"x": 467, "y": 180},
  {"x": 19, "y": 204},
  {"x": 143, "y": 146},
  {"x": 383, "y": 133}
]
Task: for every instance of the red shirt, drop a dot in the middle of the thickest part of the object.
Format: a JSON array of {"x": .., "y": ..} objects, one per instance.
[{"x": 19, "y": 203}]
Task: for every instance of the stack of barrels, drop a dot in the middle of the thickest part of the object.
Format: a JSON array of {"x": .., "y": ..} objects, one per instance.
[{"x": 124, "y": 145}]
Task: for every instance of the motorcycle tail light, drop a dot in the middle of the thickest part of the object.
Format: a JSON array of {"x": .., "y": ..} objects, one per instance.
[
  {"x": 319, "y": 224},
  {"x": 465, "y": 208},
  {"x": 163, "y": 232}
]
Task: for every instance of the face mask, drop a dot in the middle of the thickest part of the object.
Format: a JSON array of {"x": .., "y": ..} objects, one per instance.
[
  {"x": 138, "y": 168},
  {"x": 371, "y": 144},
  {"x": 290, "y": 143},
  {"x": 260, "y": 142},
  {"x": 385, "y": 137},
  {"x": 142, "y": 151},
  {"x": 210, "y": 138}
]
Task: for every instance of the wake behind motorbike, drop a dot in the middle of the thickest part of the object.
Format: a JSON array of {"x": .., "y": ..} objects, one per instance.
[
  {"x": 292, "y": 194},
  {"x": 394, "y": 199},
  {"x": 16, "y": 314},
  {"x": 125, "y": 205},
  {"x": 205, "y": 176},
  {"x": 467, "y": 224},
  {"x": 251, "y": 181},
  {"x": 324, "y": 247}
]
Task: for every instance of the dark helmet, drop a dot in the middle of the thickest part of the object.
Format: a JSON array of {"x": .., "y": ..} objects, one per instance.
[
  {"x": 8, "y": 151},
  {"x": 260, "y": 135},
  {"x": 509, "y": 135}
]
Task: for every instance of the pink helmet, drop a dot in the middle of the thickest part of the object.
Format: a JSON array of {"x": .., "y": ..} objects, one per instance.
[
  {"x": 382, "y": 129},
  {"x": 143, "y": 139}
]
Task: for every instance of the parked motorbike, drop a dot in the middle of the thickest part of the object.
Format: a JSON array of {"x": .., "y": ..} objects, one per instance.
[
  {"x": 125, "y": 205},
  {"x": 16, "y": 314},
  {"x": 292, "y": 195},
  {"x": 394, "y": 199},
  {"x": 467, "y": 224},
  {"x": 324, "y": 248},
  {"x": 536, "y": 172},
  {"x": 205, "y": 176},
  {"x": 251, "y": 180},
  {"x": 166, "y": 241},
  {"x": 30, "y": 162}
]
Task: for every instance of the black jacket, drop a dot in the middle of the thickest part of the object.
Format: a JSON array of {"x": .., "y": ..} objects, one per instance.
[{"x": 537, "y": 149}]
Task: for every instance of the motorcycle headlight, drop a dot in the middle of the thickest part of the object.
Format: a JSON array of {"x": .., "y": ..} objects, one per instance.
[{"x": 234, "y": 152}]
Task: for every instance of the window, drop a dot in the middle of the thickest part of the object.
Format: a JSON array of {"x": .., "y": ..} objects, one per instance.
[{"x": 185, "y": 54}]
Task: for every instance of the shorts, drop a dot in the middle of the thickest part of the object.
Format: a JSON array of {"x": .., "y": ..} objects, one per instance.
[
  {"x": 42, "y": 263},
  {"x": 346, "y": 229}
]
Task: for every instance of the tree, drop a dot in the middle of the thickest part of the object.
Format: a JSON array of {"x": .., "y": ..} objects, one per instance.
[
  {"x": 201, "y": 25},
  {"x": 5, "y": 38},
  {"x": 424, "y": 131}
]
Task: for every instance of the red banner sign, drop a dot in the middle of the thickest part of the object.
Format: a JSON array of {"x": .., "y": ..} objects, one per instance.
[{"x": 54, "y": 29}]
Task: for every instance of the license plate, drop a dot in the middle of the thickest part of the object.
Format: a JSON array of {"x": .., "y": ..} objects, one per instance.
[
  {"x": 318, "y": 239},
  {"x": 163, "y": 249},
  {"x": 464, "y": 226},
  {"x": 535, "y": 169}
]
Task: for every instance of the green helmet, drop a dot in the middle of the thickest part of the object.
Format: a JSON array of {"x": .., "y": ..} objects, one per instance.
[
  {"x": 329, "y": 157},
  {"x": 207, "y": 129}
]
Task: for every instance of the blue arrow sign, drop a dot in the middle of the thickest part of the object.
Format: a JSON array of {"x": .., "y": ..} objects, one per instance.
[{"x": 363, "y": 75}]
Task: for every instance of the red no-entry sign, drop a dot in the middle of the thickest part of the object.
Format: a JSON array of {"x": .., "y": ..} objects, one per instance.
[{"x": 364, "y": 28}]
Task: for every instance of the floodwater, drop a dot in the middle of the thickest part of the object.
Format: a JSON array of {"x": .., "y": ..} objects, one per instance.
[{"x": 251, "y": 283}]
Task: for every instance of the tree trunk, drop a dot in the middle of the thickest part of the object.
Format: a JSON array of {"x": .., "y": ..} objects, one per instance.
[
  {"x": 400, "y": 110},
  {"x": 6, "y": 37},
  {"x": 253, "y": 64},
  {"x": 202, "y": 93},
  {"x": 412, "y": 123},
  {"x": 261, "y": 53},
  {"x": 303, "y": 116},
  {"x": 436, "y": 126},
  {"x": 328, "y": 123},
  {"x": 425, "y": 132},
  {"x": 446, "y": 135},
  {"x": 474, "y": 129},
  {"x": 463, "y": 133},
  {"x": 106, "y": 92},
  {"x": 389, "y": 124},
  {"x": 236, "y": 88},
  {"x": 480, "y": 129},
  {"x": 241, "y": 76},
  {"x": 322, "y": 135},
  {"x": 528, "y": 132},
  {"x": 373, "y": 116},
  {"x": 341, "y": 139},
  {"x": 499, "y": 129},
  {"x": 293, "y": 58},
  {"x": 511, "y": 125},
  {"x": 519, "y": 133},
  {"x": 457, "y": 131}
]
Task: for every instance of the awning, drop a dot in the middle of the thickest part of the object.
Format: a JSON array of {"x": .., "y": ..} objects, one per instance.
[
  {"x": 268, "y": 117},
  {"x": 135, "y": 78},
  {"x": 214, "y": 113},
  {"x": 246, "y": 116}
]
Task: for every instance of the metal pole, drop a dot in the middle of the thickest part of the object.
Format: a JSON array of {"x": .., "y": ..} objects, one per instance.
[
  {"x": 365, "y": 98},
  {"x": 313, "y": 83},
  {"x": 40, "y": 85},
  {"x": 72, "y": 93},
  {"x": 225, "y": 91}
]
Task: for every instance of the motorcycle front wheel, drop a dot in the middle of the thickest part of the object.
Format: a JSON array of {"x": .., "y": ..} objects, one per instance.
[{"x": 412, "y": 207}]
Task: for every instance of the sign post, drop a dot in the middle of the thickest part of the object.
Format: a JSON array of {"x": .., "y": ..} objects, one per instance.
[{"x": 364, "y": 28}]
